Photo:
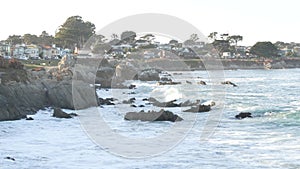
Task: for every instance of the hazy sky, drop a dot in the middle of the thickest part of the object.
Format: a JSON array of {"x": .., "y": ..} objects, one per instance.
[{"x": 255, "y": 20}]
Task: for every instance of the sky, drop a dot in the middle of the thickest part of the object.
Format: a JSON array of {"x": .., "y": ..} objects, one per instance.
[{"x": 255, "y": 20}]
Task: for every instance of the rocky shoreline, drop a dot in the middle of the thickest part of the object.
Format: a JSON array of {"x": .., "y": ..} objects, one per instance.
[{"x": 40, "y": 89}]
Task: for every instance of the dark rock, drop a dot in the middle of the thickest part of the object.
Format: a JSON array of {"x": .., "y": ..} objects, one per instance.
[
  {"x": 130, "y": 101},
  {"x": 163, "y": 104},
  {"x": 145, "y": 99},
  {"x": 10, "y": 158},
  {"x": 189, "y": 103},
  {"x": 132, "y": 86},
  {"x": 168, "y": 83},
  {"x": 199, "y": 108},
  {"x": 141, "y": 106},
  {"x": 29, "y": 118},
  {"x": 161, "y": 115},
  {"x": 202, "y": 83},
  {"x": 58, "y": 113},
  {"x": 107, "y": 101},
  {"x": 188, "y": 82},
  {"x": 229, "y": 83},
  {"x": 149, "y": 75},
  {"x": 73, "y": 114},
  {"x": 243, "y": 115},
  {"x": 165, "y": 79},
  {"x": 133, "y": 105}
]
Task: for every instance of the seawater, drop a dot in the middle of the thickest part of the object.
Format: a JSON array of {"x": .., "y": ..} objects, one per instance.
[{"x": 269, "y": 140}]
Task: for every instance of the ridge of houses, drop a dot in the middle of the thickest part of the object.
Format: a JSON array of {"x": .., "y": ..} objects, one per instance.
[
  {"x": 25, "y": 52},
  {"x": 145, "y": 48}
]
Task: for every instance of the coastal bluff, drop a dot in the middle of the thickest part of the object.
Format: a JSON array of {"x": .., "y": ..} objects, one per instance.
[
  {"x": 20, "y": 99},
  {"x": 23, "y": 92}
]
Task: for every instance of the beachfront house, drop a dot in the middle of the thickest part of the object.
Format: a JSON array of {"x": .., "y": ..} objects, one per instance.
[
  {"x": 18, "y": 52},
  {"x": 32, "y": 51},
  {"x": 5, "y": 50}
]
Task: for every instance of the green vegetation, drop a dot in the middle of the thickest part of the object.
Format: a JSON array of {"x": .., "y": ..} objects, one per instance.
[
  {"x": 74, "y": 32},
  {"x": 265, "y": 49}
]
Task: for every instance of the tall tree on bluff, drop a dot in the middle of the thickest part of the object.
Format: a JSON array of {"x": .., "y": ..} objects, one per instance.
[{"x": 74, "y": 32}]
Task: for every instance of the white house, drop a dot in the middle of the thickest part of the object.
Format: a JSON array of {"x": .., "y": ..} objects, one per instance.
[{"x": 32, "y": 51}]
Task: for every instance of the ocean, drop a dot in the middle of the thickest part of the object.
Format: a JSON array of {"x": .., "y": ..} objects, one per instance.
[{"x": 269, "y": 140}]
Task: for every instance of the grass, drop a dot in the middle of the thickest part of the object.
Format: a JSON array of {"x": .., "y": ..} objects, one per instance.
[{"x": 30, "y": 64}]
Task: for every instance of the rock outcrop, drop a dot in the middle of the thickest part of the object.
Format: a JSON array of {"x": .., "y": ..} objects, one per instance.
[
  {"x": 243, "y": 115},
  {"x": 22, "y": 96},
  {"x": 58, "y": 113},
  {"x": 162, "y": 115},
  {"x": 199, "y": 108}
]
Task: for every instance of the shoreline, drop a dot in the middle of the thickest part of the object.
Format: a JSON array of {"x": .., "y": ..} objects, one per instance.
[{"x": 227, "y": 64}]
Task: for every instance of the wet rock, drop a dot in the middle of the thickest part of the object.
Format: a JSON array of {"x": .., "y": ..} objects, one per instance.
[
  {"x": 10, "y": 158},
  {"x": 199, "y": 108},
  {"x": 229, "y": 83},
  {"x": 132, "y": 86},
  {"x": 168, "y": 83},
  {"x": 106, "y": 101},
  {"x": 163, "y": 104},
  {"x": 130, "y": 101},
  {"x": 58, "y": 113},
  {"x": 29, "y": 118},
  {"x": 149, "y": 75},
  {"x": 201, "y": 82},
  {"x": 188, "y": 82},
  {"x": 161, "y": 115},
  {"x": 243, "y": 115},
  {"x": 189, "y": 103}
]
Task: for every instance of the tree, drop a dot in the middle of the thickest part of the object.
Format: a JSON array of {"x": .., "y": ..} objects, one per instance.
[
  {"x": 114, "y": 36},
  {"x": 264, "y": 49},
  {"x": 30, "y": 39},
  {"x": 194, "y": 37},
  {"x": 128, "y": 36},
  {"x": 74, "y": 32},
  {"x": 192, "y": 40},
  {"x": 235, "y": 39},
  {"x": 14, "y": 39},
  {"x": 46, "y": 39},
  {"x": 213, "y": 36}
]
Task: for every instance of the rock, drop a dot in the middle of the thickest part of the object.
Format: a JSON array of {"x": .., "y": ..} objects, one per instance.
[
  {"x": 149, "y": 75},
  {"x": 202, "y": 83},
  {"x": 161, "y": 115},
  {"x": 199, "y": 108},
  {"x": 58, "y": 113},
  {"x": 130, "y": 101},
  {"x": 230, "y": 83},
  {"x": 104, "y": 76},
  {"x": 10, "y": 158},
  {"x": 243, "y": 115},
  {"x": 141, "y": 106},
  {"x": 73, "y": 114},
  {"x": 133, "y": 105},
  {"x": 107, "y": 101},
  {"x": 29, "y": 118},
  {"x": 126, "y": 71},
  {"x": 188, "y": 82},
  {"x": 168, "y": 83},
  {"x": 163, "y": 104},
  {"x": 189, "y": 103},
  {"x": 132, "y": 86}
]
